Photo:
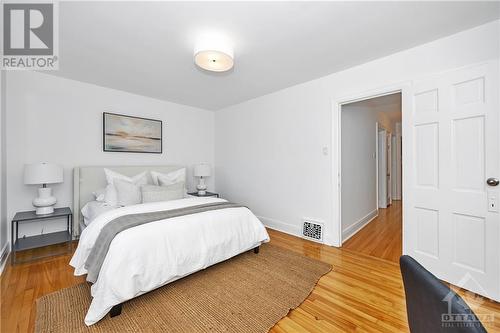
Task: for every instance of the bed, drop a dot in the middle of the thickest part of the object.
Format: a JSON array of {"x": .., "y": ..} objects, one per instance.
[{"x": 150, "y": 255}]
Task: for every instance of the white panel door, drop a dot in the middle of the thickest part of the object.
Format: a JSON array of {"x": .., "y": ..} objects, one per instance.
[
  {"x": 394, "y": 168},
  {"x": 389, "y": 170},
  {"x": 453, "y": 148},
  {"x": 382, "y": 169}
]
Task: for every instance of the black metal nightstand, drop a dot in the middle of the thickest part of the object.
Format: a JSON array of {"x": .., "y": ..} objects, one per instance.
[
  {"x": 208, "y": 194},
  {"x": 32, "y": 242}
]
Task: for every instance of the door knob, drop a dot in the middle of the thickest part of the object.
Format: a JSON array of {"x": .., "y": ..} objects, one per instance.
[{"x": 492, "y": 181}]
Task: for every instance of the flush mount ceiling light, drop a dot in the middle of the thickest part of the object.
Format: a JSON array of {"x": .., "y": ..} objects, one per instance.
[{"x": 214, "y": 53}]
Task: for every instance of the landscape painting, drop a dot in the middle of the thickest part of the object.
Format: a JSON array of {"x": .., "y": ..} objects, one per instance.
[{"x": 131, "y": 134}]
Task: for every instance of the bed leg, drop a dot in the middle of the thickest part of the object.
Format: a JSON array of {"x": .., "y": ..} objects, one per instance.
[
  {"x": 256, "y": 249},
  {"x": 116, "y": 310}
]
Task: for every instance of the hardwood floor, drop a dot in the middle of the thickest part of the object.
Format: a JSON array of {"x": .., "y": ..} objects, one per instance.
[
  {"x": 361, "y": 293},
  {"x": 22, "y": 284},
  {"x": 382, "y": 237}
]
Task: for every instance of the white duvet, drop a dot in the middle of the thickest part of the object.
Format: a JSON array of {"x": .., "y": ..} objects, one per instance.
[{"x": 146, "y": 257}]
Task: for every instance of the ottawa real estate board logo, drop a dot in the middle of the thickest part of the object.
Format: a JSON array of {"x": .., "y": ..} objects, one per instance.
[{"x": 30, "y": 36}]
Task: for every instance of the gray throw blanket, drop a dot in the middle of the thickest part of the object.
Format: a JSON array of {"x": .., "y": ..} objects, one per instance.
[{"x": 112, "y": 228}]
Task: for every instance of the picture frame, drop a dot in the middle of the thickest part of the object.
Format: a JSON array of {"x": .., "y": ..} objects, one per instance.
[{"x": 131, "y": 134}]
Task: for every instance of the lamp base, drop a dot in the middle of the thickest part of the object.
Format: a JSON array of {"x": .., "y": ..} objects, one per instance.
[
  {"x": 45, "y": 202},
  {"x": 44, "y": 210},
  {"x": 201, "y": 187}
]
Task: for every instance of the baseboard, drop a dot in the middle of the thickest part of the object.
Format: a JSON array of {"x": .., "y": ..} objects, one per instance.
[
  {"x": 287, "y": 228},
  {"x": 356, "y": 227},
  {"x": 4, "y": 255}
]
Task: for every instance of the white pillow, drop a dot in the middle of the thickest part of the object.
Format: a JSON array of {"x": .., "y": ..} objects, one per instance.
[
  {"x": 139, "y": 179},
  {"x": 111, "y": 195},
  {"x": 153, "y": 193},
  {"x": 169, "y": 178},
  {"x": 127, "y": 193},
  {"x": 93, "y": 209}
]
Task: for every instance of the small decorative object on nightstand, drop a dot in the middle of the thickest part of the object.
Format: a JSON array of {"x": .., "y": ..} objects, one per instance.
[
  {"x": 43, "y": 173},
  {"x": 202, "y": 170},
  {"x": 52, "y": 238},
  {"x": 207, "y": 194}
]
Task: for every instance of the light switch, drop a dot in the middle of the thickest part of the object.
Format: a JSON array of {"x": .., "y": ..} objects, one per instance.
[{"x": 325, "y": 151}]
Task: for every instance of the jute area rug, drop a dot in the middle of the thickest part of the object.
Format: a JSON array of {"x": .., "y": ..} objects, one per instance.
[{"x": 248, "y": 293}]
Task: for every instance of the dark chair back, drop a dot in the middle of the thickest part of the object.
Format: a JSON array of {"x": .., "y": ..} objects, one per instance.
[{"x": 432, "y": 306}]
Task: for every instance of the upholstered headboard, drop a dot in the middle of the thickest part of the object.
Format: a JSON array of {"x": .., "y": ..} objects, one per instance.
[{"x": 87, "y": 179}]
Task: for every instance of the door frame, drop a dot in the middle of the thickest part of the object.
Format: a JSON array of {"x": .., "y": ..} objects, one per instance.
[{"x": 406, "y": 107}]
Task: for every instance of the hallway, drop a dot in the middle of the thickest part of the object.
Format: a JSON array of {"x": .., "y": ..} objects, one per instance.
[{"x": 381, "y": 238}]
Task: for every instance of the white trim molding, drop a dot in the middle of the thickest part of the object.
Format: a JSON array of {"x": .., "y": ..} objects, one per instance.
[
  {"x": 287, "y": 228},
  {"x": 358, "y": 225},
  {"x": 4, "y": 255}
]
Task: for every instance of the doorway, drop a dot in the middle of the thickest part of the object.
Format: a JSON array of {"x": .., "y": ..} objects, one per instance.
[
  {"x": 371, "y": 187},
  {"x": 451, "y": 160}
]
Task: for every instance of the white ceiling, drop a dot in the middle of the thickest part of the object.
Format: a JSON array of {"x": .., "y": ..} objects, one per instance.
[
  {"x": 147, "y": 47},
  {"x": 390, "y": 105}
]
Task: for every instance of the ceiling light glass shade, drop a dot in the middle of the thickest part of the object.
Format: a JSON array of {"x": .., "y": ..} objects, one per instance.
[
  {"x": 214, "y": 52},
  {"x": 214, "y": 60}
]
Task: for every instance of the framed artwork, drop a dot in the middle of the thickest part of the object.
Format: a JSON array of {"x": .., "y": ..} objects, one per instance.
[{"x": 129, "y": 134}]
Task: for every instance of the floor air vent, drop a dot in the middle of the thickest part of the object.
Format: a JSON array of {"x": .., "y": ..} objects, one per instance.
[{"x": 313, "y": 230}]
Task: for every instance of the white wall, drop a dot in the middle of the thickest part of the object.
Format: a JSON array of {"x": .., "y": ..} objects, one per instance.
[
  {"x": 59, "y": 120},
  {"x": 359, "y": 168},
  {"x": 269, "y": 150}
]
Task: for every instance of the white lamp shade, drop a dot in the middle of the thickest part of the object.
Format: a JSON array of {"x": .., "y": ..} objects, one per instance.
[
  {"x": 43, "y": 173},
  {"x": 202, "y": 170}
]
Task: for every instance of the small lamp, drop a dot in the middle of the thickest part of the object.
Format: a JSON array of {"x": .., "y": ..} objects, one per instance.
[
  {"x": 43, "y": 173},
  {"x": 202, "y": 170}
]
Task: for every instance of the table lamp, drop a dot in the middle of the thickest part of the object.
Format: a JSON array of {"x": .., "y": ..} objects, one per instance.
[
  {"x": 202, "y": 170},
  {"x": 43, "y": 173}
]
